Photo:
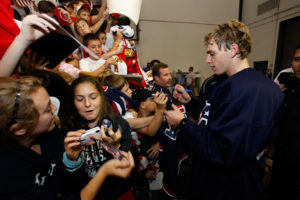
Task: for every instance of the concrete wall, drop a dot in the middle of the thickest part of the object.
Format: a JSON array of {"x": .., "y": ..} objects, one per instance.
[
  {"x": 173, "y": 31},
  {"x": 264, "y": 28}
]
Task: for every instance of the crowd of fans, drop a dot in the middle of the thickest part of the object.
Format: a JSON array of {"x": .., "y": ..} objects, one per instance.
[{"x": 147, "y": 141}]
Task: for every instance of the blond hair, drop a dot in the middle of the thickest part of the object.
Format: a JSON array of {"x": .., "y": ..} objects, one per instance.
[
  {"x": 67, "y": 77},
  {"x": 116, "y": 81},
  {"x": 26, "y": 115},
  {"x": 230, "y": 32},
  {"x": 102, "y": 75}
]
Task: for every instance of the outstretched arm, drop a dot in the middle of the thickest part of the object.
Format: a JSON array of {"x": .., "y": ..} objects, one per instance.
[
  {"x": 160, "y": 101},
  {"x": 136, "y": 123},
  {"x": 33, "y": 27},
  {"x": 119, "y": 168},
  {"x": 116, "y": 48},
  {"x": 101, "y": 10},
  {"x": 98, "y": 24},
  {"x": 114, "y": 167}
]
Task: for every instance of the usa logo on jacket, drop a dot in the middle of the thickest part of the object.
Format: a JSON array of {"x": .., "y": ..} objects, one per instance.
[{"x": 203, "y": 117}]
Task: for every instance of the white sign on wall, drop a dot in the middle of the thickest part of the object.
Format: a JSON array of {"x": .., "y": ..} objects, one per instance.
[{"x": 130, "y": 8}]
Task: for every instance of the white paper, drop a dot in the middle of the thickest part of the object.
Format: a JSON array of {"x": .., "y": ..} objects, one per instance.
[{"x": 130, "y": 8}]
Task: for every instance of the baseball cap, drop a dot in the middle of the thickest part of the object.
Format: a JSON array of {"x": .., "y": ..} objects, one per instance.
[
  {"x": 127, "y": 31},
  {"x": 85, "y": 5},
  {"x": 117, "y": 15}
]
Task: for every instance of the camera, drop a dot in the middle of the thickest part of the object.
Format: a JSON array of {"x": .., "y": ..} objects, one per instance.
[
  {"x": 86, "y": 137},
  {"x": 110, "y": 122}
]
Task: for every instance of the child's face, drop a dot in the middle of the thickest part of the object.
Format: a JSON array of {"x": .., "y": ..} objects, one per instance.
[
  {"x": 83, "y": 28},
  {"x": 96, "y": 47},
  {"x": 126, "y": 90},
  {"x": 85, "y": 15},
  {"x": 102, "y": 37}
]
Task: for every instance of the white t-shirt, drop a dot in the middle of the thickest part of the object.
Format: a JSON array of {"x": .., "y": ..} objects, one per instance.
[
  {"x": 190, "y": 77},
  {"x": 128, "y": 115},
  {"x": 89, "y": 65},
  {"x": 109, "y": 42}
]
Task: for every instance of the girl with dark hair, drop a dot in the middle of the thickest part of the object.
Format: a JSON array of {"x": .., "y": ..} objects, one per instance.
[
  {"x": 31, "y": 148},
  {"x": 90, "y": 108}
]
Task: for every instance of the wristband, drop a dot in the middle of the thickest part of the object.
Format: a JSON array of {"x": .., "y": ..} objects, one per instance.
[{"x": 72, "y": 166}]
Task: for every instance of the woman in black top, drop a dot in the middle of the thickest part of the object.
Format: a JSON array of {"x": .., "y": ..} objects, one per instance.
[
  {"x": 90, "y": 108},
  {"x": 31, "y": 148}
]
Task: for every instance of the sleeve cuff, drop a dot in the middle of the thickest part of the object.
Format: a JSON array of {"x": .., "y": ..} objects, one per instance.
[{"x": 70, "y": 165}]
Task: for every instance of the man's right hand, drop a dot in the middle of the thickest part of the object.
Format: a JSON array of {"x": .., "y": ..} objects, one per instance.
[{"x": 181, "y": 95}]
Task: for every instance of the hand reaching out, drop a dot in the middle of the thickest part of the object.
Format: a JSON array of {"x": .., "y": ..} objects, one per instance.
[
  {"x": 111, "y": 61},
  {"x": 160, "y": 100},
  {"x": 109, "y": 20},
  {"x": 35, "y": 26},
  {"x": 120, "y": 49},
  {"x": 106, "y": 14},
  {"x": 114, "y": 138},
  {"x": 119, "y": 35},
  {"x": 29, "y": 63},
  {"x": 153, "y": 151},
  {"x": 120, "y": 168}
]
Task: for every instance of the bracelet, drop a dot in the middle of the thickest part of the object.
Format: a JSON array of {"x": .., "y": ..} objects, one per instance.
[
  {"x": 72, "y": 166},
  {"x": 117, "y": 43}
]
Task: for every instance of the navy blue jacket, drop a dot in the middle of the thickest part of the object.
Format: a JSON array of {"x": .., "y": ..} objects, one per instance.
[
  {"x": 172, "y": 152},
  {"x": 233, "y": 128}
]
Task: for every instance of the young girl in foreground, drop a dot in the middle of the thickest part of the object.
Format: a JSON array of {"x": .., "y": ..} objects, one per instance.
[
  {"x": 91, "y": 107},
  {"x": 31, "y": 148}
]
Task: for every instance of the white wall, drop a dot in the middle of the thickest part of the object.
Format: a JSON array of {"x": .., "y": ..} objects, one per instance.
[
  {"x": 173, "y": 30},
  {"x": 264, "y": 28}
]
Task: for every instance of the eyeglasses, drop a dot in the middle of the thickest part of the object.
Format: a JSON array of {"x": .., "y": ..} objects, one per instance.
[{"x": 17, "y": 103}]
